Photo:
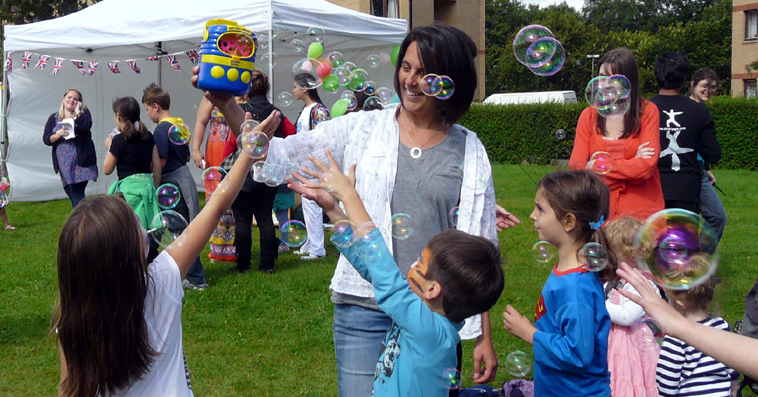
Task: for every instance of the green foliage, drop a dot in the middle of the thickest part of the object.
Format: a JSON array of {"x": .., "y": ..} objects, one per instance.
[{"x": 517, "y": 133}]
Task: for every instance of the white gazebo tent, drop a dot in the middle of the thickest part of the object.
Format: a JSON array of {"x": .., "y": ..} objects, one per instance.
[{"x": 121, "y": 30}]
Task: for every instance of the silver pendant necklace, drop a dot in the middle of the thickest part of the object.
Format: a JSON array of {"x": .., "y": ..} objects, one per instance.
[{"x": 415, "y": 150}]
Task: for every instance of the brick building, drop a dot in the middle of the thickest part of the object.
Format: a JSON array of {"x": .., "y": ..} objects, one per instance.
[
  {"x": 744, "y": 47},
  {"x": 467, "y": 15}
]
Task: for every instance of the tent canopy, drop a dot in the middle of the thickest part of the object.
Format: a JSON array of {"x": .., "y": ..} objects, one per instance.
[{"x": 136, "y": 29}]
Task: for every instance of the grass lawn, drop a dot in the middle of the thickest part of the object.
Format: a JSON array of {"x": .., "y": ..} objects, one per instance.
[{"x": 261, "y": 335}]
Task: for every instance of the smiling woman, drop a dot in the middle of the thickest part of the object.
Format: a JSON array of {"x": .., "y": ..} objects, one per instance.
[{"x": 74, "y": 157}]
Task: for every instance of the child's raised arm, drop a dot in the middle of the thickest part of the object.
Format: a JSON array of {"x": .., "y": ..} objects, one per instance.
[{"x": 200, "y": 229}]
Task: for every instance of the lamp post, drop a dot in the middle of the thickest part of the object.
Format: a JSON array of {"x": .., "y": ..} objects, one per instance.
[{"x": 593, "y": 57}]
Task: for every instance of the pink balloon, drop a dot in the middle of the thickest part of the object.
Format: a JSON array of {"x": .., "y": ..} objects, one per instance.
[
  {"x": 307, "y": 66},
  {"x": 323, "y": 70}
]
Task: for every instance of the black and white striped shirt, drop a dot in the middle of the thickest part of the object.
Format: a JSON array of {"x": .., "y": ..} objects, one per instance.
[{"x": 685, "y": 371}]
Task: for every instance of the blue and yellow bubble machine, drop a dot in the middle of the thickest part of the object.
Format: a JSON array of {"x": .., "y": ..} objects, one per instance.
[{"x": 227, "y": 57}]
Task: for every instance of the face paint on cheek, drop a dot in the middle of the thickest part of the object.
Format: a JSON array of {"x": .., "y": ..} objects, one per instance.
[{"x": 417, "y": 285}]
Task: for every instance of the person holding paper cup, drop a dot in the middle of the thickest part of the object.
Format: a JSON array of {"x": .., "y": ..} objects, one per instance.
[{"x": 74, "y": 158}]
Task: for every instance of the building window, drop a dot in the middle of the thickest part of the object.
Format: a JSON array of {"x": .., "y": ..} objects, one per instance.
[
  {"x": 385, "y": 8},
  {"x": 751, "y": 25},
  {"x": 751, "y": 89}
]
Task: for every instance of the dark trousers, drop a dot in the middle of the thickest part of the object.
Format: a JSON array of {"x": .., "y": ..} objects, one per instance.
[
  {"x": 75, "y": 192},
  {"x": 196, "y": 273},
  {"x": 259, "y": 203},
  {"x": 690, "y": 206}
]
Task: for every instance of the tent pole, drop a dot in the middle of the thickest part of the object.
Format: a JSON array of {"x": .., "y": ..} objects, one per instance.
[
  {"x": 4, "y": 120},
  {"x": 159, "y": 51},
  {"x": 271, "y": 40}
]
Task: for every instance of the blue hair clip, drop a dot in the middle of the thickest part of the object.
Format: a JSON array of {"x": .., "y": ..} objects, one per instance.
[{"x": 596, "y": 225}]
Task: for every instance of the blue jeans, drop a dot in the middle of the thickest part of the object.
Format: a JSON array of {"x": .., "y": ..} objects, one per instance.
[
  {"x": 711, "y": 207},
  {"x": 358, "y": 342}
]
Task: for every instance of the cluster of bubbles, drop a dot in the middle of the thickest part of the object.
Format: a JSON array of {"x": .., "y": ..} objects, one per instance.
[
  {"x": 601, "y": 163},
  {"x": 293, "y": 233},
  {"x": 254, "y": 144},
  {"x": 441, "y": 87},
  {"x": 678, "y": 248},
  {"x": 402, "y": 226},
  {"x": 544, "y": 252},
  {"x": 451, "y": 378},
  {"x": 366, "y": 247},
  {"x": 518, "y": 364},
  {"x": 278, "y": 166},
  {"x": 179, "y": 134},
  {"x": 535, "y": 47},
  {"x": 168, "y": 228},
  {"x": 593, "y": 257},
  {"x": 167, "y": 195},
  {"x": 646, "y": 334},
  {"x": 609, "y": 95},
  {"x": 212, "y": 177}
]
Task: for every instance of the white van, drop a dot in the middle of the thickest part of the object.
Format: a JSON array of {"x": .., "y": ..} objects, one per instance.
[{"x": 531, "y": 97}]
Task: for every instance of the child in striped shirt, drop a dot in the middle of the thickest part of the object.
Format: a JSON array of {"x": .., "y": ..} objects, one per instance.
[{"x": 684, "y": 370}]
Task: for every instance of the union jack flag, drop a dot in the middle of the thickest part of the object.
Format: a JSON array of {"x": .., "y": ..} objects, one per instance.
[
  {"x": 153, "y": 58},
  {"x": 113, "y": 66},
  {"x": 9, "y": 62},
  {"x": 42, "y": 62},
  {"x": 79, "y": 65},
  {"x": 174, "y": 62},
  {"x": 58, "y": 65},
  {"x": 26, "y": 59},
  {"x": 133, "y": 64},
  {"x": 91, "y": 69},
  {"x": 194, "y": 57}
]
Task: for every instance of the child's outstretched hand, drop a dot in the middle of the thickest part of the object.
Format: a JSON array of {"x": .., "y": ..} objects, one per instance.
[
  {"x": 331, "y": 178},
  {"x": 520, "y": 326},
  {"x": 655, "y": 307}
]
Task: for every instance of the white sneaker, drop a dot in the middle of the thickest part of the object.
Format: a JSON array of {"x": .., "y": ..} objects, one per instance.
[
  {"x": 310, "y": 257},
  {"x": 301, "y": 252}
]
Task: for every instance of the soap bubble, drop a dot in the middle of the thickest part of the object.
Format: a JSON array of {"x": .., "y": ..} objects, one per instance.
[
  {"x": 350, "y": 66},
  {"x": 560, "y": 133},
  {"x": 385, "y": 58},
  {"x": 306, "y": 70},
  {"x": 593, "y": 257},
  {"x": 179, "y": 134},
  {"x": 617, "y": 109},
  {"x": 315, "y": 34},
  {"x": 541, "y": 51},
  {"x": 336, "y": 58},
  {"x": 518, "y": 364},
  {"x": 339, "y": 238},
  {"x": 554, "y": 65},
  {"x": 646, "y": 334},
  {"x": 321, "y": 114},
  {"x": 167, "y": 228},
  {"x": 263, "y": 40},
  {"x": 342, "y": 73},
  {"x": 212, "y": 177},
  {"x": 285, "y": 99},
  {"x": 678, "y": 248},
  {"x": 385, "y": 95},
  {"x": 297, "y": 45},
  {"x": 544, "y": 252},
  {"x": 352, "y": 100},
  {"x": 331, "y": 83},
  {"x": 370, "y": 87},
  {"x": 168, "y": 196},
  {"x": 255, "y": 144},
  {"x": 293, "y": 233},
  {"x": 431, "y": 84},
  {"x": 402, "y": 226},
  {"x": 453, "y": 216},
  {"x": 525, "y": 38},
  {"x": 269, "y": 59},
  {"x": 451, "y": 378},
  {"x": 272, "y": 174},
  {"x": 621, "y": 84},
  {"x": 609, "y": 95},
  {"x": 373, "y": 60},
  {"x": 448, "y": 88},
  {"x": 372, "y": 103},
  {"x": 358, "y": 79},
  {"x": 248, "y": 126},
  {"x": 601, "y": 163},
  {"x": 366, "y": 247}
]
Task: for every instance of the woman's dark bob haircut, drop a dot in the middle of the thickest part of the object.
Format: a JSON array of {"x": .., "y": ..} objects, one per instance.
[{"x": 444, "y": 50}]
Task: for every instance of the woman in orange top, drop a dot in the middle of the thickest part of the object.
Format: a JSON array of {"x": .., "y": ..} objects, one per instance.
[{"x": 632, "y": 141}]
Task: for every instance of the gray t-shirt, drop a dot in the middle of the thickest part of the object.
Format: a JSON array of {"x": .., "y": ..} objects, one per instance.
[{"x": 427, "y": 189}]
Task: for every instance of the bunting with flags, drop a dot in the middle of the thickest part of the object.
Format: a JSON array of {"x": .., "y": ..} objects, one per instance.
[
  {"x": 26, "y": 59},
  {"x": 42, "y": 62},
  {"x": 113, "y": 66},
  {"x": 92, "y": 68},
  {"x": 193, "y": 56},
  {"x": 174, "y": 62},
  {"x": 79, "y": 65},
  {"x": 153, "y": 58},
  {"x": 9, "y": 62},
  {"x": 133, "y": 64},
  {"x": 58, "y": 65}
]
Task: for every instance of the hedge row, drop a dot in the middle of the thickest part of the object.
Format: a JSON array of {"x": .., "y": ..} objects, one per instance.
[{"x": 517, "y": 133}]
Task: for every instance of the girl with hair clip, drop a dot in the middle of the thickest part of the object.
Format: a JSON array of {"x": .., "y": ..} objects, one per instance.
[
  {"x": 134, "y": 156},
  {"x": 119, "y": 317},
  {"x": 632, "y": 140},
  {"x": 570, "y": 331},
  {"x": 632, "y": 369}
]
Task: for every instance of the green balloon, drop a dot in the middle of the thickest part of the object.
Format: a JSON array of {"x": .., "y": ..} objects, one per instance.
[
  {"x": 393, "y": 55},
  {"x": 356, "y": 82},
  {"x": 315, "y": 50},
  {"x": 331, "y": 83},
  {"x": 340, "y": 107}
]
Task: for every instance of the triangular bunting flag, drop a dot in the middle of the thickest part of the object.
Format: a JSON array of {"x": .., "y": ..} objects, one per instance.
[
  {"x": 58, "y": 65},
  {"x": 42, "y": 62}
]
